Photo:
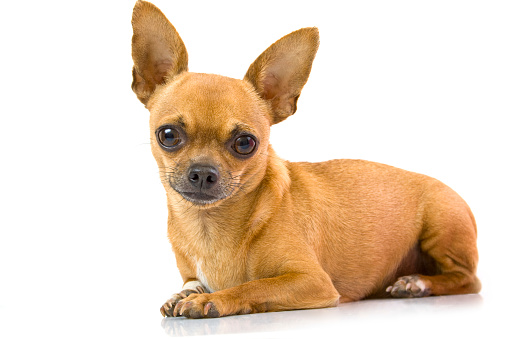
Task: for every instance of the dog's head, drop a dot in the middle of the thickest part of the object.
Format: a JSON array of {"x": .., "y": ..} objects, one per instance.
[{"x": 209, "y": 133}]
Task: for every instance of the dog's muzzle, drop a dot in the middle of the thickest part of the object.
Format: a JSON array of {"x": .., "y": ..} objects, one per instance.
[{"x": 203, "y": 185}]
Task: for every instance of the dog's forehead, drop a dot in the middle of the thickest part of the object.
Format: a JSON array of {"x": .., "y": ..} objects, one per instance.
[{"x": 208, "y": 101}]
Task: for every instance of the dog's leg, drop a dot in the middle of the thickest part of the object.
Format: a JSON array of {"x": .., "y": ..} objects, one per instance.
[
  {"x": 287, "y": 292},
  {"x": 191, "y": 286},
  {"x": 449, "y": 237}
]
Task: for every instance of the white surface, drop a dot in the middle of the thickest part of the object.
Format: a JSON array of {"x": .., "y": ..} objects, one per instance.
[{"x": 83, "y": 250}]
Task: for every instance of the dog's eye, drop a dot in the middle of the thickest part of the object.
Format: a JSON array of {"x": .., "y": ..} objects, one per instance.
[
  {"x": 244, "y": 144},
  {"x": 168, "y": 137}
]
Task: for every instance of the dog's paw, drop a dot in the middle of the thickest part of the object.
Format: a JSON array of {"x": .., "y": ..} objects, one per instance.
[
  {"x": 168, "y": 309},
  {"x": 198, "y": 306},
  {"x": 411, "y": 286}
]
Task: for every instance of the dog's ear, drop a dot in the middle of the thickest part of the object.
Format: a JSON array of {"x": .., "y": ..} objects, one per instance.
[
  {"x": 282, "y": 70},
  {"x": 157, "y": 49}
]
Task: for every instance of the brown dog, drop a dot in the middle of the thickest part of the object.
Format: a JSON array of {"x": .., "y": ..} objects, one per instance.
[{"x": 254, "y": 233}]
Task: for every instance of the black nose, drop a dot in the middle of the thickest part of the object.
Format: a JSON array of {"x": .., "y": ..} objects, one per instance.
[{"x": 203, "y": 177}]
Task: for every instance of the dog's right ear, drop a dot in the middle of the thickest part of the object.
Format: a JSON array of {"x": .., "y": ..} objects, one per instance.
[{"x": 158, "y": 51}]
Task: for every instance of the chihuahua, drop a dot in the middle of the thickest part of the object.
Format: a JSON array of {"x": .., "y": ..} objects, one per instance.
[{"x": 252, "y": 232}]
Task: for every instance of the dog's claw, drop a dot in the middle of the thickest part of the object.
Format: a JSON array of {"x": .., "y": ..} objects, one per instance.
[
  {"x": 176, "y": 310},
  {"x": 207, "y": 308},
  {"x": 185, "y": 307}
]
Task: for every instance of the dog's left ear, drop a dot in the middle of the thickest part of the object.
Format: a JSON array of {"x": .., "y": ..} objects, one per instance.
[
  {"x": 159, "y": 54},
  {"x": 280, "y": 73}
]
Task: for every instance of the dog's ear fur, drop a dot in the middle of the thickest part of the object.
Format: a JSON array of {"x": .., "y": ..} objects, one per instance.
[
  {"x": 158, "y": 51},
  {"x": 282, "y": 70}
]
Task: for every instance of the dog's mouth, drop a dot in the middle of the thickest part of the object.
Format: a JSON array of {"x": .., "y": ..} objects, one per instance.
[{"x": 199, "y": 198}]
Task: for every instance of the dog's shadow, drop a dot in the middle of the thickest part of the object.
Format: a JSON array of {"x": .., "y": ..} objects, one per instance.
[{"x": 349, "y": 313}]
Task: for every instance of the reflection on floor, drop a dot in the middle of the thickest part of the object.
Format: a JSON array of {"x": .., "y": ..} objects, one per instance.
[{"x": 369, "y": 316}]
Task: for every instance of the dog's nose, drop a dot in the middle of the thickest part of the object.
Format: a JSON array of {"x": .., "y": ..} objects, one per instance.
[{"x": 203, "y": 177}]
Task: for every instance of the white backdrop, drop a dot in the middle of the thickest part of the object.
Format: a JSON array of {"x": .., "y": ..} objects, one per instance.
[{"x": 83, "y": 250}]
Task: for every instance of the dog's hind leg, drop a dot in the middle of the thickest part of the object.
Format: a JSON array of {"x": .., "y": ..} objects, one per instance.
[{"x": 449, "y": 237}]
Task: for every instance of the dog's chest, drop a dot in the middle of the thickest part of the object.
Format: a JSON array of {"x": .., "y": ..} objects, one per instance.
[
  {"x": 219, "y": 270},
  {"x": 213, "y": 251}
]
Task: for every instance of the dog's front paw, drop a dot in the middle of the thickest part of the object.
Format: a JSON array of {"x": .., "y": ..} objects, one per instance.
[
  {"x": 411, "y": 286},
  {"x": 168, "y": 309},
  {"x": 199, "y": 306}
]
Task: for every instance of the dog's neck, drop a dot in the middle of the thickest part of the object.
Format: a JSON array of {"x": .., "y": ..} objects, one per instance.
[{"x": 233, "y": 220}]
